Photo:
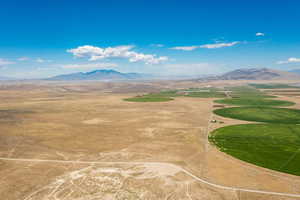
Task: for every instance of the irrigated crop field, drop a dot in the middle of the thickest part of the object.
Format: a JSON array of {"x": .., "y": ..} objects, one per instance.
[
  {"x": 64, "y": 141},
  {"x": 274, "y": 146},
  {"x": 262, "y": 114},
  {"x": 254, "y": 102}
]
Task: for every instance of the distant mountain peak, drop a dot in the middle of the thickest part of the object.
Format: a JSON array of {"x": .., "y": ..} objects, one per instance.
[
  {"x": 258, "y": 74},
  {"x": 99, "y": 74},
  {"x": 102, "y": 71},
  {"x": 297, "y": 71}
]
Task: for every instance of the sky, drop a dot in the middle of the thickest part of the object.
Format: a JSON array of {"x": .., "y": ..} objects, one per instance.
[{"x": 164, "y": 37}]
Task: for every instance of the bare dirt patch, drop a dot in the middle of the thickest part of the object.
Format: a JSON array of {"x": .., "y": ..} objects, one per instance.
[{"x": 95, "y": 121}]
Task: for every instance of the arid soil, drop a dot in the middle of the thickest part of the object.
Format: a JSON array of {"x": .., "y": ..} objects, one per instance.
[{"x": 71, "y": 141}]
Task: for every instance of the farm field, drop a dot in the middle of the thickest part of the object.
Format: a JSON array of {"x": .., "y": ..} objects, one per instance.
[
  {"x": 262, "y": 114},
  {"x": 284, "y": 92},
  {"x": 254, "y": 102},
  {"x": 272, "y": 86},
  {"x": 274, "y": 146},
  {"x": 247, "y": 92},
  {"x": 171, "y": 94},
  {"x": 206, "y": 94}
]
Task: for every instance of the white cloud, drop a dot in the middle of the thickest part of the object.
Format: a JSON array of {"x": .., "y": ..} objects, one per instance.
[
  {"x": 260, "y": 34},
  {"x": 219, "y": 45},
  {"x": 40, "y": 60},
  {"x": 186, "y": 48},
  {"x": 98, "y": 53},
  {"x": 23, "y": 58},
  {"x": 90, "y": 66},
  {"x": 290, "y": 60},
  {"x": 5, "y": 62},
  {"x": 206, "y": 46}
]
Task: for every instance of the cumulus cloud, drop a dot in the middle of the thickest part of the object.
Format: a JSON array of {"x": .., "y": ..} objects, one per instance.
[
  {"x": 206, "y": 46},
  {"x": 23, "y": 58},
  {"x": 290, "y": 60},
  {"x": 260, "y": 34},
  {"x": 90, "y": 66},
  {"x": 98, "y": 53},
  {"x": 4, "y": 62}
]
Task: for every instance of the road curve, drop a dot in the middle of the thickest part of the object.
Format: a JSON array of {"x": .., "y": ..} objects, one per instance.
[{"x": 157, "y": 163}]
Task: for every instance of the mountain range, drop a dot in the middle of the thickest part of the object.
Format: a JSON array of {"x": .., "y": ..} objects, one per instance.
[
  {"x": 297, "y": 71},
  {"x": 103, "y": 74},
  {"x": 258, "y": 74},
  {"x": 238, "y": 74}
]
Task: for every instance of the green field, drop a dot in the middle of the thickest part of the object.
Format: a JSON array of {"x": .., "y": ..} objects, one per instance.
[
  {"x": 262, "y": 114},
  {"x": 169, "y": 95},
  {"x": 273, "y": 146},
  {"x": 205, "y": 93},
  {"x": 272, "y": 86},
  {"x": 211, "y": 94},
  {"x": 254, "y": 102},
  {"x": 247, "y": 92}
]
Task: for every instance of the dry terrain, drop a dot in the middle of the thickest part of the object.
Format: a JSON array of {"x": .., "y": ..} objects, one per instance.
[{"x": 71, "y": 141}]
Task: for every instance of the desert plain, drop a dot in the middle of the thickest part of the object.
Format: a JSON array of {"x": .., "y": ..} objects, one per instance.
[{"x": 71, "y": 141}]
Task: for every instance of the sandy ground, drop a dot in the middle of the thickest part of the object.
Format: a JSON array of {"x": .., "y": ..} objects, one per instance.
[{"x": 71, "y": 123}]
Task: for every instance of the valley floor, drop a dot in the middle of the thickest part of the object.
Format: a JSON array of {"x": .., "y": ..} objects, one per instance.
[{"x": 65, "y": 142}]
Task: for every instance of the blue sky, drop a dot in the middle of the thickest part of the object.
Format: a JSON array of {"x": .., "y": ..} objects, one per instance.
[{"x": 167, "y": 37}]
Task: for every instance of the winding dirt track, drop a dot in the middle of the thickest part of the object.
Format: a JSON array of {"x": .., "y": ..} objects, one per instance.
[{"x": 155, "y": 163}]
